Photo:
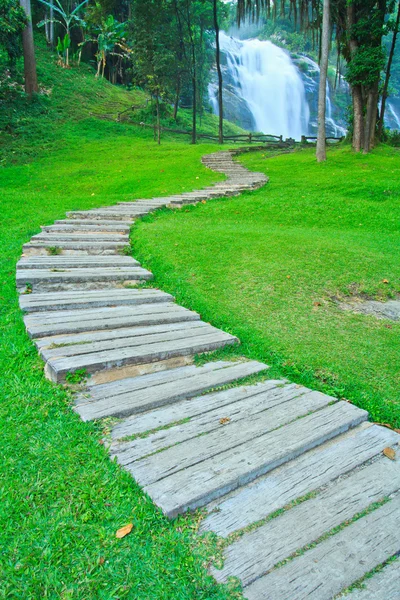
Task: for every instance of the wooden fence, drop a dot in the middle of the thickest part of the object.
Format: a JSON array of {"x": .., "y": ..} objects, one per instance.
[{"x": 244, "y": 138}]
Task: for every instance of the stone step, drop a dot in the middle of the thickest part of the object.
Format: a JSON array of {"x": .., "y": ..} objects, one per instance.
[
  {"x": 77, "y": 321},
  {"x": 296, "y": 479},
  {"x": 384, "y": 585},
  {"x": 191, "y": 407},
  {"x": 55, "y": 301},
  {"x": 200, "y": 483},
  {"x": 245, "y": 420},
  {"x": 75, "y": 262},
  {"x": 337, "y": 562},
  {"x": 58, "y": 367},
  {"x": 140, "y": 394},
  {"x": 257, "y": 552},
  {"x": 48, "y": 279}
]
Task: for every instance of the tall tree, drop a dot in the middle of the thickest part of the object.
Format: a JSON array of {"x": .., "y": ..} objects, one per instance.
[
  {"x": 31, "y": 82},
  {"x": 325, "y": 45},
  {"x": 219, "y": 73},
  {"x": 388, "y": 73}
]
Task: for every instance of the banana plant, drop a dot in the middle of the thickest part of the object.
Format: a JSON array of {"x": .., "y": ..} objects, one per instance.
[
  {"x": 67, "y": 19},
  {"x": 63, "y": 47}
]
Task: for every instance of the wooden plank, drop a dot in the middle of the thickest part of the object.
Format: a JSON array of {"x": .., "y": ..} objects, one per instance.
[
  {"x": 232, "y": 435},
  {"x": 291, "y": 481},
  {"x": 210, "y": 479},
  {"x": 72, "y": 262},
  {"x": 107, "y": 334},
  {"x": 384, "y": 585},
  {"x": 117, "y": 342},
  {"x": 57, "y": 368},
  {"x": 254, "y": 554},
  {"x": 35, "y": 276},
  {"x": 287, "y": 405},
  {"x": 162, "y": 391},
  {"x": 82, "y": 299},
  {"x": 191, "y": 406},
  {"x": 336, "y": 563},
  {"x": 112, "y": 321},
  {"x": 71, "y": 316}
]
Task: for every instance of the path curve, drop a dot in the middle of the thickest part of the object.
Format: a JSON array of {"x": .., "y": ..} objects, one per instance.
[{"x": 244, "y": 452}]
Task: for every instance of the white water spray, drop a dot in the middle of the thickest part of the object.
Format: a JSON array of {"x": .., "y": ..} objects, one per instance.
[{"x": 269, "y": 83}]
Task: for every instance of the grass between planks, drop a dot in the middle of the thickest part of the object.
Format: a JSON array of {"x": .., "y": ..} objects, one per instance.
[{"x": 267, "y": 267}]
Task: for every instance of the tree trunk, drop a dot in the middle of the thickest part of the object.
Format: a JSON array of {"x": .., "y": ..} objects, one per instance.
[
  {"x": 51, "y": 24},
  {"x": 158, "y": 119},
  {"x": 177, "y": 96},
  {"x": 321, "y": 139},
  {"x": 358, "y": 118},
  {"x": 219, "y": 72},
  {"x": 370, "y": 118},
  {"x": 31, "y": 84},
  {"x": 387, "y": 76}
]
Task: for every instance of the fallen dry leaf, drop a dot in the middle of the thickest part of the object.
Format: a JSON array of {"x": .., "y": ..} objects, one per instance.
[
  {"x": 101, "y": 560},
  {"x": 317, "y": 304},
  {"x": 121, "y": 533},
  {"x": 389, "y": 453},
  {"x": 385, "y": 280},
  {"x": 224, "y": 420}
]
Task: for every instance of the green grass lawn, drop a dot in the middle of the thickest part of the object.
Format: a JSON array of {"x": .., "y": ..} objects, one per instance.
[
  {"x": 61, "y": 498},
  {"x": 254, "y": 265},
  {"x": 267, "y": 265}
]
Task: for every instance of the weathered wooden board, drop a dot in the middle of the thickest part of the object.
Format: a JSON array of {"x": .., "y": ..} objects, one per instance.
[
  {"x": 384, "y": 585},
  {"x": 171, "y": 384},
  {"x": 192, "y": 406},
  {"x": 280, "y": 404},
  {"x": 54, "y": 301},
  {"x": 257, "y": 552},
  {"x": 335, "y": 563},
  {"x": 57, "y": 368},
  {"x": 216, "y": 476},
  {"x": 301, "y": 476},
  {"x": 107, "y": 334},
  {"x": 127, "y": 318},
  {"x": 83, "y": 275},
  {"x": 60, "y": 261},
  {"x": 273, "y": 413},
  {"x": 125, "y": 342}
]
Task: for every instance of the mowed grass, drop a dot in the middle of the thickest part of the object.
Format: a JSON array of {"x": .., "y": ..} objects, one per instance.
[
  {"x": 267, "y": 266},
  {"x": 61, "y": 498}
]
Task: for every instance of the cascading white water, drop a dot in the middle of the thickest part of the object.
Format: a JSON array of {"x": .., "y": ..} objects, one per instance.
[{"x": 269, "y": 83}]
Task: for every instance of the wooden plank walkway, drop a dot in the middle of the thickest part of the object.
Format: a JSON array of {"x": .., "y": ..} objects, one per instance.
[{"x": 294, "y": 480}]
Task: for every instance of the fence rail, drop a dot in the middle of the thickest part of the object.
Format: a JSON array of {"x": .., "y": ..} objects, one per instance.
[{"x": 249, "y": 138}]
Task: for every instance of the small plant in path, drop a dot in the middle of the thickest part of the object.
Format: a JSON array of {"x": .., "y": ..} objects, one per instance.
[
  {"x": 76, "y": 376},
  {"x": 54, "y": 250}
]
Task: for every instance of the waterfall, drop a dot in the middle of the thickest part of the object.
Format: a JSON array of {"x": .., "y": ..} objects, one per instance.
[{"x": 267, "y": 80}]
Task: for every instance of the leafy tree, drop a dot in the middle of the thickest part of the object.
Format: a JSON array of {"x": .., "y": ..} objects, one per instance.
[{"x": 12, "y": 22}]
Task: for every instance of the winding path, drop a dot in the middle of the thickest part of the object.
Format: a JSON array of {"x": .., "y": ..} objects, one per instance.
[{"x": 244, "y": 453}]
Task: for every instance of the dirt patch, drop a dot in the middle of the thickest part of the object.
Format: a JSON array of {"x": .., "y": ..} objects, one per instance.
[{"x": 381, "y": 310}]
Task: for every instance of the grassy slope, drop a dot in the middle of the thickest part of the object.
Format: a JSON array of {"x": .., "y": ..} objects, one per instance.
[
  {"x": 61, "y": 498},
  {"x": 265, "y": 267}
]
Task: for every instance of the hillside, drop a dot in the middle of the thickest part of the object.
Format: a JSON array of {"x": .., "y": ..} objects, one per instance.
[{"x": 72, "y": 101}]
